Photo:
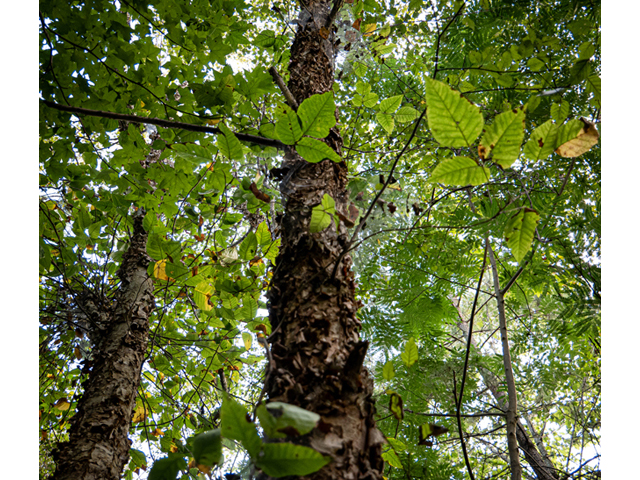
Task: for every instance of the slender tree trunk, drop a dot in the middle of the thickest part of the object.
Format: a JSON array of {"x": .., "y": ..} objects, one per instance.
[
  {"x": 537, "y": 460},
  {"x": 315, "y": 344},
  {"x": 98, "y": 446},
  {"x": 512, "y": 408}
]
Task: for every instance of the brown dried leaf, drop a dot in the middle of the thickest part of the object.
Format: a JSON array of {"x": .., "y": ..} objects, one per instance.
[{"x": 587, "y": 138}]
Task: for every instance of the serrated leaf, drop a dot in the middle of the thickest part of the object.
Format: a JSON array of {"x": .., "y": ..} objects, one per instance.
[
  {"x": 453, "y": 120},
  {"x": 386, "y": 121},
  {"x": 248, "y": 247},
  {"x": 284, "y": 459},
  {"x": 410, "y": 354},
  {"x": 315, "y": 151},
  {"x": 460, "y": 171},
  {"x": 228, "y": 144},
  {"x": 207, "y": 448},
  {"x": 280, "y": 419},
  {"x": 322, "y": 214},
  {"x": 318, "y": 115},
  {"x": 586, "y": 138},
  {"x": 520, "y": 230},
  {"x": 288, "y": 129},
  {"x": 388, "y": 372},
  {"x": 542, "y": 141},
  {"x": 502, "y": 139},
  {"x": 391, "y": 104},
  {"x": 407, "y": 114},
  {"x": 236, "y": 425}
]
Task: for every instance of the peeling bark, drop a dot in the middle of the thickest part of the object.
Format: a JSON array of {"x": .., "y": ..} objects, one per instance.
[
  {"x": 98, "y": 446},
  {"x": 315, "y": 345}
]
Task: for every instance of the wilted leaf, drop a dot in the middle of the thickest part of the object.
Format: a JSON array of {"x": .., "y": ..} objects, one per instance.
[
  {"x": 62, "y": 404},
  {"x": 542, "y": 141},
  {"x": 159, "y": 270},
  {"x": 502, "y": 139},
  {"x": 430, "y": 429},
  {"x": 586, "y": 138}
]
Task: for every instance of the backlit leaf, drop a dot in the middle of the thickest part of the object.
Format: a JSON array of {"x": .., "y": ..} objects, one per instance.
[
  {"x": 586, "y": 138},
  {"x": 453, "y": 120},
  {"x": 315, "y": 151},
  {"x": 229, "y": 145},
  {"x": 520, "y": 230},
  {"x": 502, "y": 139},
  {"x": 318, "y": 115},
  {"x": 284, "y": 459},
  {"x": 542, "y": 141},
  {"x": 460, "y": 171}
]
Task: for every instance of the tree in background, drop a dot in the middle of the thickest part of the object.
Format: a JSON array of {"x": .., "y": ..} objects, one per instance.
[{"x": 204, "y": 163}]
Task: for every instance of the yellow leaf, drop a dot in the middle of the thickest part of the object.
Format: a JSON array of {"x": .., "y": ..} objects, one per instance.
[
  {"x": 173, "y": 448},
  {"x": 204, "y": 469},
  {"x": 77, "y": 353},
  {"x": 369, "y": 29},
  {"x": 157, "y": 433},
  {"x": 62, "y": 404},
  {"x": 213, "y": 121},
  {"x": 139, "y": 414},
  {"x": 587, "y": 138},
  {"x": 159, "y": 270}
]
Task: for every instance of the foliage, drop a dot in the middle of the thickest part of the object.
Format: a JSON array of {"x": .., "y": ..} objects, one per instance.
[{"x": 505, "y": 154}]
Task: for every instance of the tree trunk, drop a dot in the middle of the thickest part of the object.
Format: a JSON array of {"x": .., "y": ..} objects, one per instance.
[
  {"x": 541, "y": 465},
  {"x": 316, "y": 348},
  {"x": 98, "y": 446}
]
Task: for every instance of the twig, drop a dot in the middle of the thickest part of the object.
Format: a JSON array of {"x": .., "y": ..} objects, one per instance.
[
  {"x": 437, "y": 56},
  {"x": 244, "y": 137},
  {"x": 337, "y": 5},
  {"x": 283, "y": 87},
  {"x": 459, "y": 421}
]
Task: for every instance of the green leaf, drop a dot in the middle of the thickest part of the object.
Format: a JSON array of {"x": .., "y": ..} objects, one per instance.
[
  {"x": 502, "y": 139},
  {"x": 392, "y": 458},
  {"x": 248, "y": 247},
  {"x": 370, "y": 99},
  {"x": 395, "y": 406},
  {"x": 236, "y": 425},
  {"x": 283, "y": 459},
  {"x": 460, "y": 171},
  {"x": 321, "y": 214},
  {"x": 535, "y": 64},
  {"x": 519, "y": 232},
  {"x": 559, "y": 112},
  {"x": 207, "y": 448},
  {"x": 594, "y": 86},
  {"x": 391, "y": 104},
  {"x": 386, "y": 121},
  {"x": 453, "y": 120},
  {"x": 542, "y": 141},
  {"x": 281, "y": 419},
  {"x": 315, "y": 151},
  {"x": 568, "y": 131},
  {"x": 410, "y": 354},
  {"x": 288, "y": 129},
  {"x": 167, "y": 468},
  {"x": 249, "y": 309},
  {"x": 388, "y": 371},
  {"x": 263, "y": 236},
  {"x": 407, "y": 114},
  {"x": 318, "y": 115},
  {"x": 229, "y": 145}
]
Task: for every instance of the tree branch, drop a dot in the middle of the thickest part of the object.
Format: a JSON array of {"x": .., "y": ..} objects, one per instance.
[
  {"x": 283, "y": 87},
  {"x": 244, "y": 137}
]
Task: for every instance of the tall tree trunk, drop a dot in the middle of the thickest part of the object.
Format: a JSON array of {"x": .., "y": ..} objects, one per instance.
[
  {"x": 316, "y": 348},
  {"x": 537, "y": 460},
  {"x": 98, "y": 446}
]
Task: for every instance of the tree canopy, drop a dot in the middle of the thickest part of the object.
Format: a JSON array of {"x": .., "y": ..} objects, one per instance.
[{"x": 465, "y": 140}]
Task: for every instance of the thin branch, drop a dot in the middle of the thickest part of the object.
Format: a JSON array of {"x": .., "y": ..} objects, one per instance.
[
  {"x": 459, "y": 421},
  {"x": 437, "y": 56},
  {"x": 283, "y": 87},
  {"x": 244, "y": 137},
  {"x": 337, "y": 5}
]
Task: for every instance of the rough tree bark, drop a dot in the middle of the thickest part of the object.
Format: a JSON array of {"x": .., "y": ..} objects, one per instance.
[
  {"x": 316, "y": 348},
  {"x": 98, "y": 446}
]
